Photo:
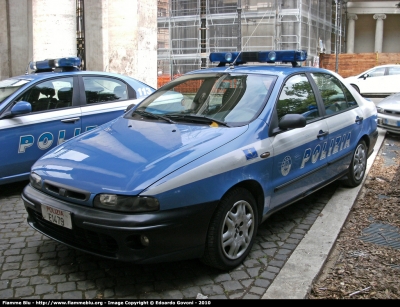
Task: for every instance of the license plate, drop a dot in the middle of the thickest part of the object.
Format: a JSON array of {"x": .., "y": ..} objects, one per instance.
[
  {"x": 57, "y": 216},
  {"x": 392, "y": 122}
]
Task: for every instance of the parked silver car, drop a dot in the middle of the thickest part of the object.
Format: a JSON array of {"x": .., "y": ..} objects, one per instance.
[{"x": 389, "y": 113}]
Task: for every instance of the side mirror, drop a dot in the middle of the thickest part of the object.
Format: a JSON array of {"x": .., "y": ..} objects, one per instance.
[
  {"x": 21, "y": 107},
  {"x": 129, "y": 107},
  {"x": 291, "y": 121}
]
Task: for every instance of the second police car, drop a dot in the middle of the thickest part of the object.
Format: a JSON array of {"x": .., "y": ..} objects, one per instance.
[
  {"x": 54, "y": 103},
  {"x": 195, "y": 168}
]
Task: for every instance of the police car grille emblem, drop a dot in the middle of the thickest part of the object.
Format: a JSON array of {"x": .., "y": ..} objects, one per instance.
[{"x": 62, "y": 192}]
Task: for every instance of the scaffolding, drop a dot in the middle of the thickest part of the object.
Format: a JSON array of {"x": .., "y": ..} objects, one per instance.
[{"x": 188, "y": 30}]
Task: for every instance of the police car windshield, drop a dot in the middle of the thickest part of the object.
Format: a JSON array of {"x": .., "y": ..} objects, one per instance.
[
  {"x": 226, "y": 98},
  {"x": 9, "y": 86}
]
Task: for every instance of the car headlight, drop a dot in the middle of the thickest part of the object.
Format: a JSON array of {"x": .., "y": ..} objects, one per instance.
[
  {"x": 125, "y": 203},
  {"x": 380, "y": 110},
  {"x": 35, "y": 180}
]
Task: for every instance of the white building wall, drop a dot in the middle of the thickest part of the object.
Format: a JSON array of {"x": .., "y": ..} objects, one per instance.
[
  {"x": 364, "y": 34},
  {"x": 391, "y": 37},
  {"x": 35, "y": 30},
  {"x": 121, "y": 36},
  {"x": 96, "y": 35},
  {"x": 53, "y": 29},
  {"x": 4, "y": 61}
]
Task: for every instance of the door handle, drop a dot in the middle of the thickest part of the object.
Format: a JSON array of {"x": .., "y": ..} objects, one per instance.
[
  {"x": 359, "y": 119},
  {"x": 322, "y": 133},
  {"x": 70, "y": 120}
]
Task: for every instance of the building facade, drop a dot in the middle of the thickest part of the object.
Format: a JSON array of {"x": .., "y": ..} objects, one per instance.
[
  {"x": 151, "y": 39},
  {"x": 117, "y": 36},
  {"x": 188, "y": 30},
  {"x": 372, "y": 26}
]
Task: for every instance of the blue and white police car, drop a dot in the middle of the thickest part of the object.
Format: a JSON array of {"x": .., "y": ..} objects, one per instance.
[
  {"x": 196, "y": 167},
  {"x": 54, "y": 103}
]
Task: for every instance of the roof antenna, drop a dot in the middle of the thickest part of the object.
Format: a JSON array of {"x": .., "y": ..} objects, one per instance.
[
  {"x": 231, "y": 66},
  {"x": 27, "y": 67}
]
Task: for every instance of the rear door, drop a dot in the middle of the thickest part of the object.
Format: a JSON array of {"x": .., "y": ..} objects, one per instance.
[
  {"x": 344, "y": 119},
  {"x": 104, "y": 99}
]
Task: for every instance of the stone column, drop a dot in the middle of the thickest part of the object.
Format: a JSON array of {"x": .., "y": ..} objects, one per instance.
[
  {"x": 379, "y": 31},
  {"x": 350, "y": 32},
  {"x": 121, "y": 37}
]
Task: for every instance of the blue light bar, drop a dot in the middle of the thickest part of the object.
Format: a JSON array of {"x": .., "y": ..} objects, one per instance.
[
  {"x": 225, "y": 57},
  {"x": 67, "y": 62},
  {"x": 49, "y": 65},
  {"x": 284, "y": 56}
]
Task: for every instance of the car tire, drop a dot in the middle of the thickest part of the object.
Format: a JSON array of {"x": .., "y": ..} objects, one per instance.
[
  {"x": 232, "y": 230},
  {"x": 357, "y": 166},
  {"x": 356, "y": 87}
]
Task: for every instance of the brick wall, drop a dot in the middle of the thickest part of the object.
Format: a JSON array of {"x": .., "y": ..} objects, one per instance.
[{"x": 355, "y": 63}]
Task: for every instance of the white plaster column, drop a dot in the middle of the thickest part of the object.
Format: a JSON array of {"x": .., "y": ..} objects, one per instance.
[
  {"x": 379, "y": 31},
  {"x": 351, "y": 32},
  {"x": 53, "y": 29}
]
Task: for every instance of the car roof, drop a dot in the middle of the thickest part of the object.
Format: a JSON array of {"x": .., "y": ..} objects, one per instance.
[
  {"x": 46, "y": 75},
  {"x": 385, "y": 65},
  {"x": 277, "y": 70}
]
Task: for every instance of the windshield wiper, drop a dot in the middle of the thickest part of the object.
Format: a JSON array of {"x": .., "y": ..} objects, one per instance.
[
  {"x": 197, "y": 118},
  {"x": 148, "y": 114}
]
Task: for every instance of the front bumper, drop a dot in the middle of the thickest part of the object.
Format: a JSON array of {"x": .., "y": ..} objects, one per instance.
[{"x": 173, "y": 234}]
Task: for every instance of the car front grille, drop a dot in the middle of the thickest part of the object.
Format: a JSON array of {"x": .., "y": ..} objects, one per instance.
[
  {"x": 391, "y": 112},
  {"x": 81, "y": 238},
  {"x": 65, "y": 192}
]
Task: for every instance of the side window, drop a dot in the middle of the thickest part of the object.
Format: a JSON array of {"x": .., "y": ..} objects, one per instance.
[
  {"x": 103, "y": 89},
  {"x": 379, "y": 72},
  {"x": 394, "y": 70},
  {"x": 49, "y": 95},
  {"x": 64, "y": 91},
  {"x": 297, "y": 97},
  {"x": 334, "y": 97}
]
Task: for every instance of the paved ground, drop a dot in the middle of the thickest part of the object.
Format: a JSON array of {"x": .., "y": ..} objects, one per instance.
[{"x": 33, "y": 266}]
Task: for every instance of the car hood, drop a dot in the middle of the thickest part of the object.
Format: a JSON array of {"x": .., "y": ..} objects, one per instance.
[
  {"x": 127, "y": 156},
  {"x": 391, "y": 102}
]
